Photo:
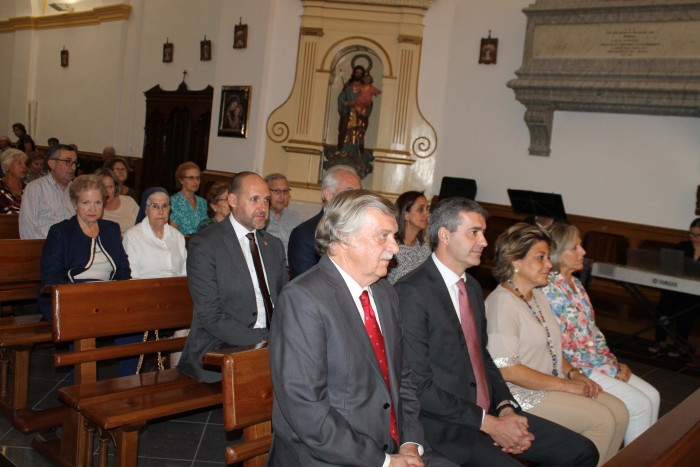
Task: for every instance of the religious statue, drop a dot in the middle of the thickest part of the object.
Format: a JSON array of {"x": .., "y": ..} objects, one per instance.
[{"x": 355, "y": 102}]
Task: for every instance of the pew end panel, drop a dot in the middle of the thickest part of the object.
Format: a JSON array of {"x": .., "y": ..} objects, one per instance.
[{"x": 247, "y": 394}]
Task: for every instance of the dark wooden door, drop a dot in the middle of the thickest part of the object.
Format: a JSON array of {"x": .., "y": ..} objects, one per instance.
[{"x": 177, "y": 130}]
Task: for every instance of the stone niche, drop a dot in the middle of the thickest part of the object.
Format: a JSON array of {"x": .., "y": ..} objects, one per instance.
[
  {"x": 622, "y": 56},
  {"x": 385, "y": 35}
]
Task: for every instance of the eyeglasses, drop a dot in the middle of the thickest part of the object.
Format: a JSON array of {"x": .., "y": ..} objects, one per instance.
[
  {"x": 69, "y": 162},
  {"x": 162, "y": 207},
  {"x": 694, "y": 235},
  {"x": 193, "y": 178},
  {"x": 119, "y": 170},
  {"x": 279, "y": 191},
  {"x": 220, "y": 199}
]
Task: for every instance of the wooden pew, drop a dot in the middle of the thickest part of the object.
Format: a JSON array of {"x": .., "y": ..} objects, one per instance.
[
  {"x": 247, "y": 392},
  {"x": 20, "y": 271},
  {"x": 9, "y": 226},
  {"x": 673, "y": 441},
  {"x": 19, "y": 280},
  {"x": 118, "y": 408}
]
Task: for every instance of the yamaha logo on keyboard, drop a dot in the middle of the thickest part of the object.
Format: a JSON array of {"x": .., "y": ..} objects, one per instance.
[{"x": 665, "y": 282}]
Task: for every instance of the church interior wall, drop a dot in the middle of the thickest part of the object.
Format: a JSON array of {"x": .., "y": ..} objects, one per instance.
[{"x": 634, "y": 168}]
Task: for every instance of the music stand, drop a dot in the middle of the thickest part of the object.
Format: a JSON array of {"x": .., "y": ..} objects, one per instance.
[
  {"x": 534, "y": 203},
  {"x": 453, "y": 186}
]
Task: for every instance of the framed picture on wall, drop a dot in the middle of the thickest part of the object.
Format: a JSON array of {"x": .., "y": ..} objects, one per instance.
[
  {"x": 234, "y": 111},
  {"x": 168, "y": 50}
]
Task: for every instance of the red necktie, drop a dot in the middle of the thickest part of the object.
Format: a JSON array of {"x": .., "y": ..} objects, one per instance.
[
  {"x": 466, "y": 316},
  {"x": 377, "y": 341}
]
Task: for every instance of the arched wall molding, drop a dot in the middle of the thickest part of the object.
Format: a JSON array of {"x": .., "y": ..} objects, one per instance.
[
  {"x": 346, "y": 45},
  {"x": 297, "y": 130}
]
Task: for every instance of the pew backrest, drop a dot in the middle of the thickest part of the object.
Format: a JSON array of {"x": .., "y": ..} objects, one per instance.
[
  {"x": 87, "y": 311},
  {"x": 9, "y": 226},
  {"x": 110, "y": 308},
  {"x": 20, "y": 268}
]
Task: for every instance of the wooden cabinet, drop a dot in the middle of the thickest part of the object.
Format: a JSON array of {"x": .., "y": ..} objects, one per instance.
[{"x": 177, "y": 130}]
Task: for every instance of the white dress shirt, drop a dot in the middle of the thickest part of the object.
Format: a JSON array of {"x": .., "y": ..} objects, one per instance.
[
  {"x": 241, "y": 233},
  {"x": 44, "y": 203}
]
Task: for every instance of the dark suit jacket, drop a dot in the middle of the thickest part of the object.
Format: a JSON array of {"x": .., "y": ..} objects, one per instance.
[
  {"x": 301, "y": 250},
  {"x": 223, "y": 295},
  {"x": 437, "y": 350},
  {"x": 68, "y": 252},
  {"x": 331, "y": 405}
]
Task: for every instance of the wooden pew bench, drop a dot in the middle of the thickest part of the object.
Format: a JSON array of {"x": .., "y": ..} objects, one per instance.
[
  {"x": 19, "y": 280},
  {"x": 673, "y": 441},
  {"x": 9, "y": 226},
  {"x": 118, "y": 408},
  {"x": 247, "y": 392}
]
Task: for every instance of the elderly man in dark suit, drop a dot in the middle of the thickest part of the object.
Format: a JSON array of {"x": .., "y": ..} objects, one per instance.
[
  {"x": 466, "y": 407},
  {"x": 301, "y": 250},
  {"x": 235, "y": 272},
  {"x": 342, "y": 388}
]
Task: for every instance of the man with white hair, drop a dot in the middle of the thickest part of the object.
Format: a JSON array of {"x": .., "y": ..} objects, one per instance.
[
  {"x": 343, "y": 393},
  {"x": 301, "y": 251}
]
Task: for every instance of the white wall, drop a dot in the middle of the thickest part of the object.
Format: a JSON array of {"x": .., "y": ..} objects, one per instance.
[{"x": 634, "y": 168}]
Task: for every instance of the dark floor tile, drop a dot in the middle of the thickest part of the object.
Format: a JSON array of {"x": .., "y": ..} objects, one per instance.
[
  {"x": 214, "y": 442},
  {"x": 217, "y": 416},
  {"x": 14, "y": 438},
  {"x": 172, "y": 440},
  {"x": 5, "y": 427},
  {"x": 160, "y": 462},
  {"x": 194, "y": 416},
  {"x": 25, "y": 457}
]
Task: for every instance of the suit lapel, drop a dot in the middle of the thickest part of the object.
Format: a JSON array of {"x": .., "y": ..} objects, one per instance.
[
  {"x": 349, "y": 313},
  {"x": 233, "y": 247},
  {"x": 439, "y": 289}
]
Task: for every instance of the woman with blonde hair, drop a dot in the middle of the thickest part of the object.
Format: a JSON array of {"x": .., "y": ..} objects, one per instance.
[{"x": 583, "y": 343}]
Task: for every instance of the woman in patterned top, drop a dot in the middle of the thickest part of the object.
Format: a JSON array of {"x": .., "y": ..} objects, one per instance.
[
  {"x": 14, "y": 165},
  {"x": 187, "y": 209},
  {"x": 583, "y": 343}
]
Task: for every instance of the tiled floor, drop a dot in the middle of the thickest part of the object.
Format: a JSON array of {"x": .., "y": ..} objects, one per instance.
[
  {"x": 198, "y": 439},
  {"x": 195, "y": 439}
]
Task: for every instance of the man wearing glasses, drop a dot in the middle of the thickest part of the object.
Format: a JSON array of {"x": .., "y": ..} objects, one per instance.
[
  {"x": 282, "y": 219},
  {"x": 45, "y": 201}
]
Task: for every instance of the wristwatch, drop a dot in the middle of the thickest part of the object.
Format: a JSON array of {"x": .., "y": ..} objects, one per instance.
[
  {"x": 568, "y": 373},
  {"x": 510, "y": 404}
]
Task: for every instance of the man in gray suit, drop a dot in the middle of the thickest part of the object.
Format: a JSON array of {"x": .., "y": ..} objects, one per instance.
[
  {"x": 342, "y": 388},
  {"x": 233, "y": 296},
  {"x": 467, "y": 409}
]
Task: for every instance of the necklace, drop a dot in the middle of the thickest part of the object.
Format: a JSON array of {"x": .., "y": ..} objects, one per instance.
[{"x": 539, "y": 317}]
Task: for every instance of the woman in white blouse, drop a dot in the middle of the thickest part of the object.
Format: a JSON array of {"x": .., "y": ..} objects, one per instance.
[{"x": 155, "y": 248}]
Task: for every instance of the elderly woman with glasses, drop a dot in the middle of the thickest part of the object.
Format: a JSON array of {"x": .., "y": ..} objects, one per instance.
[
  {"x": 119, "y": 209},
  {"x": 155, "y": 248},
  {"x": 187, "y": 209},
  {"x": 526, "y": 345},
  {"x": 14, "y": 166},
  {"x": 217, "y": 205}
]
